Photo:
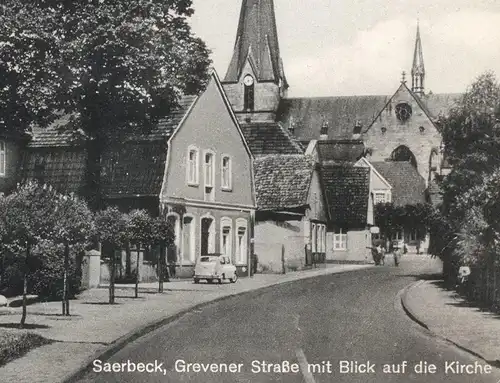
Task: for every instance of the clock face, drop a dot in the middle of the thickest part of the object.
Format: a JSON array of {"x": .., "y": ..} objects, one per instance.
[{"x": 248, "y": 80}]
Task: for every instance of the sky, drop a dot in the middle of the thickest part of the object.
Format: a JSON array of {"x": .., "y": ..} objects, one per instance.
[{"x": 361, "y": 47}]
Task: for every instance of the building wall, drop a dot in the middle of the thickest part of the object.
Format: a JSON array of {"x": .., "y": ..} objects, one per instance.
[
  {"x": 403, "y": 133},
  {"x": 12, "y": 162},
  {"x": 185, "y": 261},
  {"x": 209, "y": 126},
  {"x": 316, "y": 200},
  {"x": 357, "y": 242},
  {"x": 266, "y": 95},
  {"x": 271, "y": 236}
]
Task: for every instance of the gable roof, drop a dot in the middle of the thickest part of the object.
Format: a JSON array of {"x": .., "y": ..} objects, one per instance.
[
  {"x": 269, "y": 138},
  {"x": 257, "y": 40},
  {"x": 408, "y": 186},
  {"x": 347, "y": 191},
  {"x": 340, "y": 151},
  {"x": 306, "y": 116},
  {"x": 282, "y": 181}
]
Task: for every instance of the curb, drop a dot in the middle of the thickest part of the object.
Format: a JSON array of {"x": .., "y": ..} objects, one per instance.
[
  {"x": 121, "y": 342},
  {"x": 414, "y": 317}
]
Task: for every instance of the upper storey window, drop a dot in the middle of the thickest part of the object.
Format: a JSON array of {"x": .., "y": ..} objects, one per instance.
[{"x": 249, "y": 93}]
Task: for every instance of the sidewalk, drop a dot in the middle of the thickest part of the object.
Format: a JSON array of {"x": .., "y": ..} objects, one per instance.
[
  {"x": 95, "y": 327},
  {"x": 450, "y": 317}
]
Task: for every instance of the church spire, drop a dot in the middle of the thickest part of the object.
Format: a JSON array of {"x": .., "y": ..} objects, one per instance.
[
  {"x": 257, "y": 40},
  {"x": 418, "y": 68}
]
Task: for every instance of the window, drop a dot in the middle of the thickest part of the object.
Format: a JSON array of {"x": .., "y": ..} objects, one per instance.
[
  {"x": 188, "y": 236},
  {"x": 226, "y": 236},
  {"x": 226, "y": 173},
  {"x": 313, "y": 237},
  {"x": 403, "y": 111},
  {"x": 241, "y": 241},
  {"x": 3, "y": 158},
  {"x": 380, "y": 197},
  {"x": 339, "y": 240},
  {"x": 192, "y": 166},
  {"x": 209, "y": 174},
  {"x": 414, "y": 235}
]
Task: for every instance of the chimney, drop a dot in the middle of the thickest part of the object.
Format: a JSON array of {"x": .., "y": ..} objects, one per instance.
[{"x": 324, "y": 131}]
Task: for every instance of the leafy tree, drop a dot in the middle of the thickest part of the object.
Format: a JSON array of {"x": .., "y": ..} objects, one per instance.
[
  {"x": 111, "y": 228},
  {"x": 139, "y": 231},
  {"x": 31, "y": 67},
  {"x": 163, "y": 236},
  {"x": 26, "y": 221},
  {"x": 73, "y": 228}
]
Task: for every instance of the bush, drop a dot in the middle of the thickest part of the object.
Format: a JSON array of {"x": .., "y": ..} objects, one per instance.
[{"x": 14, "y": 345}]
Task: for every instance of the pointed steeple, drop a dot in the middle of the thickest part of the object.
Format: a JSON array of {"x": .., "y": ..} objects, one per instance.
[
  {"x": 418, "y": 68},
  {"x": 257, "y": 33}
]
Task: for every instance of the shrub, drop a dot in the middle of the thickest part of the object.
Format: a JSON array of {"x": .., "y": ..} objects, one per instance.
[{"x": 14, "y": 345}]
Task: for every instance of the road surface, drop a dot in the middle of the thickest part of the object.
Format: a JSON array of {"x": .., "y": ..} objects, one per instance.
[{"x": 341, "y": 328}]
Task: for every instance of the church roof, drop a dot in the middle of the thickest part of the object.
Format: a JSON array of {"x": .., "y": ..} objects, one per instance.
[
  {"x": 408, "y": 186},
  {"x": 347, "y": 190},
  {"x": 269, "y": 138},
  {"x": 340, "y": 151},
  {"x": 282, "y": 181},
  {"x": 307, "y": 115},
  {"x": 257, "y": 40}
]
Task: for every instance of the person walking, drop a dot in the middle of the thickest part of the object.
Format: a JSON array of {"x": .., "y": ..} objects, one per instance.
[{"x": 397, "y": 255}]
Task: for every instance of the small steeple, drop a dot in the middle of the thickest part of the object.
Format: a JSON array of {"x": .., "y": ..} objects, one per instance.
[
  {"x": 418, "y": 68},
  {"x": 257, "y": 31}
]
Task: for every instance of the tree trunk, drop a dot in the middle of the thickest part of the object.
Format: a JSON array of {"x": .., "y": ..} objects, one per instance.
[
  {"x": 25, "y": 287},
  {"x": 112, "y": 277},
  {"x": 283, "y": 259},
  {"x": 137, "y": 272},
  {"x": 93, "y": 172},
  {"x": 65, "y": 300},
  {"x": 160, "y": 270},
  {"x": 128, "y": 261}
]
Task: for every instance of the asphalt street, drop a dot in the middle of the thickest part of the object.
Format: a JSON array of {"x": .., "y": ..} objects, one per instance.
[{"x": 338, "y": 328}]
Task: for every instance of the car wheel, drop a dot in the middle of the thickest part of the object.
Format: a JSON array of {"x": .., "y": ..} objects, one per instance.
[
  {"x": 196, "y": 280},
  {"x": 234, "y": 278}
]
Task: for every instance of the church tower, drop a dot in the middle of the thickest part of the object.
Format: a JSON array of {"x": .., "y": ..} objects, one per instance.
[
  {"x": 255, "y": 80},
  {"x": 418, "y": 69}
]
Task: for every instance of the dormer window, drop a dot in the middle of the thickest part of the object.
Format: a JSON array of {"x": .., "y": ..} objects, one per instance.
[
  {"x": 249, "y": 93},
  {"x": 3, "y": 159}
]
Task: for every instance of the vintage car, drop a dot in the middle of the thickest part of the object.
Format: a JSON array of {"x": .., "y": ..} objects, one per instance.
[{"x": 214, "y": 267}]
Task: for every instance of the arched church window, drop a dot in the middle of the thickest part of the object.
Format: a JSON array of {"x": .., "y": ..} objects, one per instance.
[
  {"x": 403, "y": 153},
  {"x": 403, "y": 111},
  {"x": 249, "y": 93}
]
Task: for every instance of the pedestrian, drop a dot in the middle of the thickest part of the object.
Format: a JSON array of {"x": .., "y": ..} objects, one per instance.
[{"x": 397, "y": 255}]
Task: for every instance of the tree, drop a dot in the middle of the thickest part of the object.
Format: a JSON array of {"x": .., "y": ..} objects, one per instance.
[
  {"x": 163, "y": 235},
  {"x": 130, "y": 61},
  {"x": 111, "y": 228},
  {"x": 139, "y": 231},
  {"x": 26, "y": 221},
  {"x": 32, "y": 82},
  {"x": 74, "y": 227}
]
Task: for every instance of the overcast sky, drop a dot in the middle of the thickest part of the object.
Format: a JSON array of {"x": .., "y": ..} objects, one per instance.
[{"x": 360, "y": 47}]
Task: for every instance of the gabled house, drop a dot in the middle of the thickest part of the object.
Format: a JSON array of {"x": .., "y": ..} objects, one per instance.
[
  {"x": 350, "y": 208},
  {"x": 208, "y": 191},
  {"x": 380, "y": 188},
  {"x": 291, "y": 218}
]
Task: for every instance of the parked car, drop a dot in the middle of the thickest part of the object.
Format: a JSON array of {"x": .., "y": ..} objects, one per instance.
[{"x": 214, "y": 267}]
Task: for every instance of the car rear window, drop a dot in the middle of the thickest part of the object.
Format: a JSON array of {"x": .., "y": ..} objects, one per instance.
[{"x": 206, "y": 259}]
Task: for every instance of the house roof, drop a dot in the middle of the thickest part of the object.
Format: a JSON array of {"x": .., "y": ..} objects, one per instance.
[
  {"x": 340, "y": 151},
  {"x": 408, "y": 186},
  {"x": 62, "y": 168},
  {"x": 282, "y": 181},
  {"x": 347, "y": 191},
  {"x": 269, "y": 138},
  {"x": 64, "y": 131},
  {"x": 134, "y": 168}
]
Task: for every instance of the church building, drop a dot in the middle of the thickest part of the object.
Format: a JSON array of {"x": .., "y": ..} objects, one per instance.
[{"x": 403, "y": 126}]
